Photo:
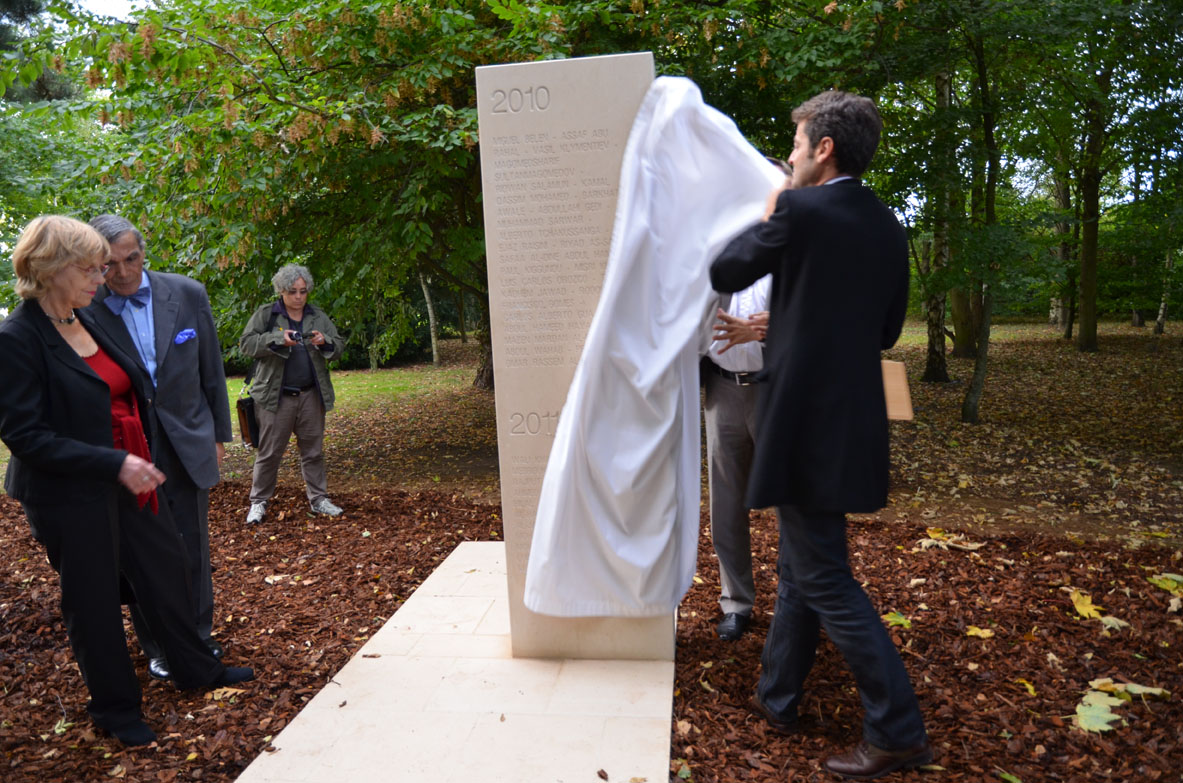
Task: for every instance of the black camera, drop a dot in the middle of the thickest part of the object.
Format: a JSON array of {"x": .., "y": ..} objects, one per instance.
[{"x": 297, "y": 337}]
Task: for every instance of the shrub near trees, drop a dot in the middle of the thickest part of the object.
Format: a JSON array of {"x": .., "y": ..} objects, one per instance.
[{"x": 1027, "y": 144}]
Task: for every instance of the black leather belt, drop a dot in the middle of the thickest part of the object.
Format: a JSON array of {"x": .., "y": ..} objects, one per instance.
[
  {"x": 292, "y": 391},
  {"x": 738, "y": 378}
]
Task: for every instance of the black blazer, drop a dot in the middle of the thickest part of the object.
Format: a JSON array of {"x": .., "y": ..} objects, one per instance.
[
  {"x": 55, "y": 412},
  {"x": 839, "y": 261}
]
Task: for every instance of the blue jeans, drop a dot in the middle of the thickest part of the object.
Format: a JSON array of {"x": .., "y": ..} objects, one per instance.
[{"x": 816, "y": 591}]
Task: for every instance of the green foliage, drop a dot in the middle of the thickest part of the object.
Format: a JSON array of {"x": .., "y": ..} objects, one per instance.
[
  {"x": 338, "y": 135},
  {"x": 343, "y": 135}
]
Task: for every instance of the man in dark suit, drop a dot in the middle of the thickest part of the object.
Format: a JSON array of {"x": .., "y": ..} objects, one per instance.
[
  {"x": 838, "y": 257},
  {"x": 164, "y": 321}
]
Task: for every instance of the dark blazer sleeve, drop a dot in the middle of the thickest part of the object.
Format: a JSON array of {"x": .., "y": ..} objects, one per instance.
[
  {"x": 754, "y": 253},
  {"x": 44, "y": 407},
  {"x": 893, "y": 322}
]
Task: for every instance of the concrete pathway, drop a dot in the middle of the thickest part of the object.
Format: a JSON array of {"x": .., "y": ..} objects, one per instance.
[{"x": 435, "y": 696}]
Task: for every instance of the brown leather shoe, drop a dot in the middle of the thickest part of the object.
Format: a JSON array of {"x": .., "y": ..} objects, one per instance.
[
  {"x": 867, "y": 762},
  {"x": 778, "y": 724}
]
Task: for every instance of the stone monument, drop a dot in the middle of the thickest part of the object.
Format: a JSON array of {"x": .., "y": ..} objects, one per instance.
[{"x": 552, "y": 135}]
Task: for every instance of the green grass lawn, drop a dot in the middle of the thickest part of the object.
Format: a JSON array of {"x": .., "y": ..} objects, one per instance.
[{"x": 360, "y": 390}]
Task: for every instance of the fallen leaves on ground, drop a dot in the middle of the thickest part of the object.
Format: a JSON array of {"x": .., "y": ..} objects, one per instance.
[
  {"x": 337, "y": 588},
  {"x": 1074, "y": 480},
  {"x": 1000, "y": 661}
]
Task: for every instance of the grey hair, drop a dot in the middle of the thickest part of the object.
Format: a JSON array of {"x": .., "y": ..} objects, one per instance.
[
  {"x": 113, "y": 226},
  {"x": 287, "y": 276}
]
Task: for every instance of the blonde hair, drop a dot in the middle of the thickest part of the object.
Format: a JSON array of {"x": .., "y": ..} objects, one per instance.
[{"x": 46, "y": 245}]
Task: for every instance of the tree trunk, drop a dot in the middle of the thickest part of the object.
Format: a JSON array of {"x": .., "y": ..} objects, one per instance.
[
  {"x": 1160, "y": 323},
  {"x": 484, "y": 375},
  {"x": 1090, "y": 215},
  {"x": 1137, "y": 318},
  {"x": 984, "y": 294},
  {"x": 936, "y": 369},
  {"x": 460, "y": 317},
  {"x": 1057, "y": 313},
  {"x": 964, "y": 339},
  {"x": 432, "y": 324},
  {"x": 1061, "y": 312},
  {"x": 1071, "y": 307},
  {"x": 973, "y": 396},
  {"x": 377, "y": 326}
]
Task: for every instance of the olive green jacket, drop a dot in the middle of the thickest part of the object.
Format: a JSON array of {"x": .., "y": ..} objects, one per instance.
[{"x": 269, "y": 352}]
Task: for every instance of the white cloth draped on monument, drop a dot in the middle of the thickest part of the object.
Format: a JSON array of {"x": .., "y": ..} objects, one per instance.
[{"x": 616, "y": 532}]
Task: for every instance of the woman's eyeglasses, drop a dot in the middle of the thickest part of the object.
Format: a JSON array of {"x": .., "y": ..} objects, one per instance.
[{"x": 94, "y": 271}]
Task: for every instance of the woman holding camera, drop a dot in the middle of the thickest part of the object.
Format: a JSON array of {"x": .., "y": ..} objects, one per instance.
[{"x": 291, "y": 342}]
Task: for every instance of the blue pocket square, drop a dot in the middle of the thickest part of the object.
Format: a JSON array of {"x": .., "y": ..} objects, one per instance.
[{"x": 185, "y": 335}]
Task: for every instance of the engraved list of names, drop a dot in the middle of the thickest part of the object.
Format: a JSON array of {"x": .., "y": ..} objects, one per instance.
[{"x": 552, "y": 137}]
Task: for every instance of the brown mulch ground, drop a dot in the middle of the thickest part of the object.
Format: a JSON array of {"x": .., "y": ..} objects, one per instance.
[
  {"x": 982, "y": 718},
  {"x": 296, "y": 596},
  {"x": 1074, "y": 481}
]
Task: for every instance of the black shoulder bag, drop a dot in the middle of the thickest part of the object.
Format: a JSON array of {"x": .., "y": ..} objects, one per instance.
[{"x": 248, "y": 422}]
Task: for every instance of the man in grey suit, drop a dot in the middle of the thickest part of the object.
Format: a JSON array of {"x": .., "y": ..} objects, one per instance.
[
  {"x": 164, "y": 321},
  {"x": 731, "y": 373}
]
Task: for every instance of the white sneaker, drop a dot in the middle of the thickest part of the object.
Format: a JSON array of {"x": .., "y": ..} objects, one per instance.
[
  {"x": 255, "y": 515},
  {"x": 326, "y": 507}
]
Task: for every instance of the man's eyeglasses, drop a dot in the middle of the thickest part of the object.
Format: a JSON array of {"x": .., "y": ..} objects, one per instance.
[
  {"x": 94, "y": 271},
  {"x": 297, "y": 291}
]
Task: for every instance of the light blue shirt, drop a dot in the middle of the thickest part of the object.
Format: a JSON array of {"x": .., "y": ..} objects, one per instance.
[{"x": 142, "y": 328}]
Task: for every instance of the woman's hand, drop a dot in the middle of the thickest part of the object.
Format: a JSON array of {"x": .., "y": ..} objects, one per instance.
[
  {"x": 316, "y": 338},
  {"x": 139, "y": 475}
]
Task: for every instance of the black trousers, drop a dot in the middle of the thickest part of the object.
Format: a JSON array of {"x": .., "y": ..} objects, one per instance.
[
  {"x": 189, "y": 506},
  {"x": 816, "y": 590},
  {"x": 90, "y": 546}
]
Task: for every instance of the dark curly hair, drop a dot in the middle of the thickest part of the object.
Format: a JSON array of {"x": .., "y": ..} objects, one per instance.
[{"x": 852, "y": 121}]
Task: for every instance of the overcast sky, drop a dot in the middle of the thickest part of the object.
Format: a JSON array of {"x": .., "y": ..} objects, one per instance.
[{"x": 117, "y": 8}]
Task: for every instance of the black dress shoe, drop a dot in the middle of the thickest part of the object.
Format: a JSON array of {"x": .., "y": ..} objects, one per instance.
[
  {"x": 867, "y": 762},
  {"x": 130, "y": 734},
  {"x": 158, "y": 669},
  {"x": 732, "y": 626},
  {"x": 778, "y": 724},
  {"x": 233, "y": 674},
  {"x": 214, "y": 647}
]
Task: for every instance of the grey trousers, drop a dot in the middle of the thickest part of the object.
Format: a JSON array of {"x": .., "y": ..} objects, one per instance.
[
  {"x": 304, "y": 415},
  {"x": 731, "y": 437}
]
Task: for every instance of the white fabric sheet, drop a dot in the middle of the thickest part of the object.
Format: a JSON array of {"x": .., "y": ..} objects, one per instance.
[{"x": 616, "y": 532}]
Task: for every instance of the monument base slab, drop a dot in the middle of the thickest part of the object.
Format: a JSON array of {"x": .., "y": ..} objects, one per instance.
[{"x": 436, "y": 695}]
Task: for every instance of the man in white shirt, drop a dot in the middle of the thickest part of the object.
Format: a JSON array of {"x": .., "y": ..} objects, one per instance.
[{"x": 730, "y": 371}]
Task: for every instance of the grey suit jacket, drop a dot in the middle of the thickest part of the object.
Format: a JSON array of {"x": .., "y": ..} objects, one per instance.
[{"x": 192, "y": 407}]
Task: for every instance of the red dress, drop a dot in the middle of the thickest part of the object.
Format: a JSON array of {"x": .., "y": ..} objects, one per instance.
[{"x": 126, "y": 429}]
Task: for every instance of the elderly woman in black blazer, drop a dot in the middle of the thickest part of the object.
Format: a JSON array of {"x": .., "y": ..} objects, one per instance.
[{"x": 74, "y": 415}]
